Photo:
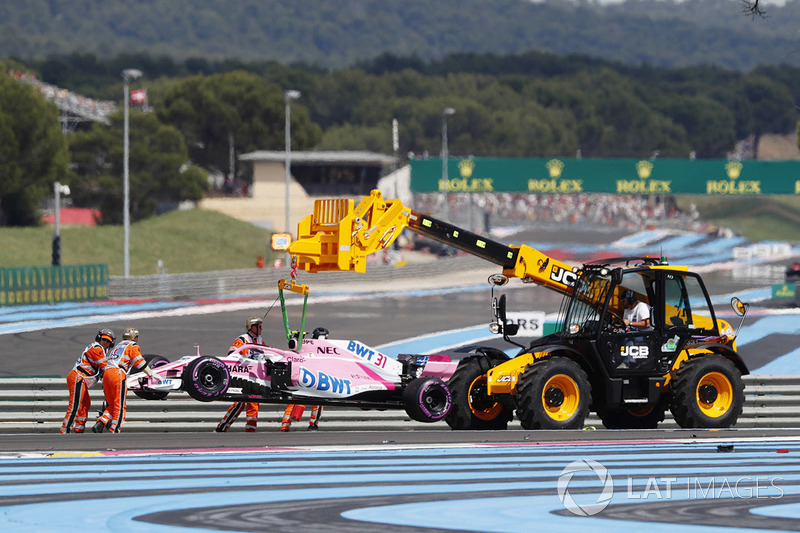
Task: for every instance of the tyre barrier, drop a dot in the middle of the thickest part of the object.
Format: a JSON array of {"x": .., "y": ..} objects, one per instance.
[{"x": 38, "y": 404}]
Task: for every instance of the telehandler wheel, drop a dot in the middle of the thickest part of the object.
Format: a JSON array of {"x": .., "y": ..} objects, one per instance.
[
  {"x": 472, "y": 408},
  {"x": 553, "y": 394},
  {"x": 644, "y": 418},
  {"x": 707, "y": 392}
]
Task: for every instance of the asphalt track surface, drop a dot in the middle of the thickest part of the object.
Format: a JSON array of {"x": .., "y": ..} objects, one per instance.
[
  {"x": 382, "y": 319},
  {"x": 516, "y": 481},
  {"x": 663, "y": 480}
]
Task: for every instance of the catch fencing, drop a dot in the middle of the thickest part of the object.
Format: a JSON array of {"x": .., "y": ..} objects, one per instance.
[
  {"x": 38, "y": 404},
  {"x": 265, "y": 280}
]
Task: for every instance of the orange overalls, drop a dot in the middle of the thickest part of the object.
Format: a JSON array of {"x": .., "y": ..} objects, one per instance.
[
  {"x": 236, "y": 409},
  {"x": 125, "y": 355},
  {"x": 295, "y": 412},
  {"x": 83, "y": 375}
]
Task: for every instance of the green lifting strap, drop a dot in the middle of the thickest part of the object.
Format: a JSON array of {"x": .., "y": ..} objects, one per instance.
[{"x": 299, "y": 289}]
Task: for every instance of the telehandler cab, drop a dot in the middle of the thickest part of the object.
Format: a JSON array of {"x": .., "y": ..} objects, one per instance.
[{"x": 685, "y": 361}]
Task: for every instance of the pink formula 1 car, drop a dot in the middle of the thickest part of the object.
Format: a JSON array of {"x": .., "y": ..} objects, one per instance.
[{"x": 318, "y": 371}]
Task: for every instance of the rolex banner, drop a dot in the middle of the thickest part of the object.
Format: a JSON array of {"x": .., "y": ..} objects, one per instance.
[{"x": 620, "y": 176}]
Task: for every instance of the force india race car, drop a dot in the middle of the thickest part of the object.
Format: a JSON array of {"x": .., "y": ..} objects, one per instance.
[
  {"x": 324, "y": 372},
  {"x": 317, "y": 371}
]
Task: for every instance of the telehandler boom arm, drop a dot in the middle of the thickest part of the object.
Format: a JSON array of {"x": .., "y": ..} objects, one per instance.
[{"x": 338, "y": 236}]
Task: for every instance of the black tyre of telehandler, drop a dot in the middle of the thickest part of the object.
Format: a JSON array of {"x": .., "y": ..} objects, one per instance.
[
  {"x": 553, "y": 393},
  {"x": 707, "y": 392},
  {"x": 472, "y": 408},
  {"x": 645, "y": 418}
]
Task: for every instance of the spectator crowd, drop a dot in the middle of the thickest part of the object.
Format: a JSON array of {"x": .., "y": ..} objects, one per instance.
[
  {"x": 483, "y": 211},
  {"x": 65, "y": 100}
]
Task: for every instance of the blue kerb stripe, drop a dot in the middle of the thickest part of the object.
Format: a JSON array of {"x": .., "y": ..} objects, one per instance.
[
  {"x": 638, "y": 239},
  {"x": 718, "y": 245},
  {"x": 427, "y": 343},
  {"x": 679, "y": 242},
  {"x": 67, "y": 312}
]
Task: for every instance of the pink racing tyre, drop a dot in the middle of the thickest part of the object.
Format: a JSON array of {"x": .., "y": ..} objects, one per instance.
[
  {"x": 206, "y": 379},
  {"x": 427, "y": 399}
]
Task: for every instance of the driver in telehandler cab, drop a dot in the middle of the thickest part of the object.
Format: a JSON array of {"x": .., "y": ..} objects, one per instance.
[{"x": 636, "y": 313}]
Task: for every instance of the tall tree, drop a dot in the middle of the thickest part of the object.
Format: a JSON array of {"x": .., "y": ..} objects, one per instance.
[
  {"x": 239, "y": 107},
  {"x": 33, "y": 151},
  {"x": 157, "y": 165}
]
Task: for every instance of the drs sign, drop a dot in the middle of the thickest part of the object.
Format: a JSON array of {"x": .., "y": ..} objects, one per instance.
[{"x": 531, "y": 324}]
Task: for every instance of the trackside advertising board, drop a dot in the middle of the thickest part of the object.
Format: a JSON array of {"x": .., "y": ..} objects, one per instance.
[
  {"x": 531, "y": 324},
  {"x": 618, "y": 176}
]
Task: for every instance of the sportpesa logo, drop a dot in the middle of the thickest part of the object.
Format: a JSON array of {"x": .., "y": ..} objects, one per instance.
[{"x": 601, "y": 501}]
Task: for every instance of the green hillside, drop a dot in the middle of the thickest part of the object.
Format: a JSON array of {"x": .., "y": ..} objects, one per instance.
[
  {"x": 759, "y": 219},
  {"x": 185, "y": 241},
  {"x": 339, "y": 33},
  {"x": 202, "y": 241}
]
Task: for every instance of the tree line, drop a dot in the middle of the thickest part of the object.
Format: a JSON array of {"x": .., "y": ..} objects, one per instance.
[
  {"x": 338, "y": 33},
  {"x": 527, "y": 105}
]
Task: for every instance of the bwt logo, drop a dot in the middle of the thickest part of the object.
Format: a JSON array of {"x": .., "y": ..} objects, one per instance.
[
  {"x": 636, "y": 352},
  {"x": 361, "y": 350},
  {"x": 323, "y": 382}
]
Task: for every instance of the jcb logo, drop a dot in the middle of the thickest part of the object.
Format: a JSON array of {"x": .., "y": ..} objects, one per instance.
[
  {"x": 636, "y": 352},
  {"x": 560, "y": 275},
  {"x": 504, "y": 379}
]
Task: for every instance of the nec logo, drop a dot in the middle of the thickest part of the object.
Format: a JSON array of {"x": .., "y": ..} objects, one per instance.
[
  {"x": 636, "y": 352},
  {"x": 328, "y": 350}
]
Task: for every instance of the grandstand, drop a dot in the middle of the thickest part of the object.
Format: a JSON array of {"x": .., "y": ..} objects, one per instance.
[{"x": 74, "y": 108}]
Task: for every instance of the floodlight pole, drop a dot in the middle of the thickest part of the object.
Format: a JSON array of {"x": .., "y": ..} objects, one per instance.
[
  {"x": 448, "y": 111},
  {"x": 127, "y": 76},
  {"x": 288, "y": 96}
]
